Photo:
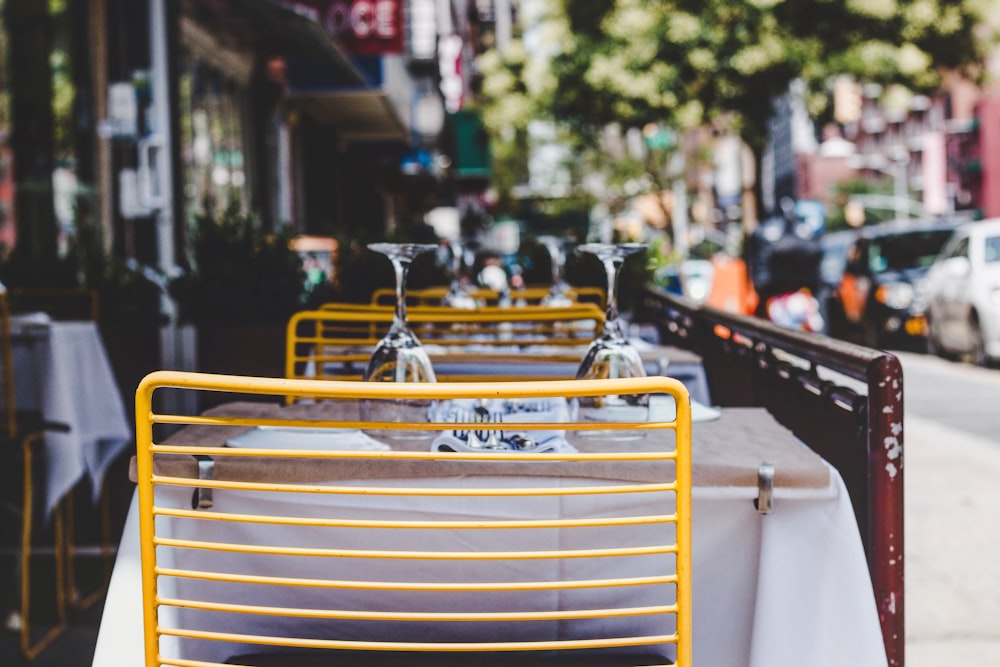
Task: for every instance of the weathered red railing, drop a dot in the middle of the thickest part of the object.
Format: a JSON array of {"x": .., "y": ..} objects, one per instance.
[{"x": 805, "y": 381}]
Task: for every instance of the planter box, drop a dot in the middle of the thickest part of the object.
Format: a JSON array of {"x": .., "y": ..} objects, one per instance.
[
  {"x": 256, "y": 350},
  {"x": 133, "y": 353}
]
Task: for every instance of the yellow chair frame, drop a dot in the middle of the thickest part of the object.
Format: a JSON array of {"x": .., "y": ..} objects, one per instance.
[
  {"x": 532, "y": 294},
  {"x": 460, "y": 326},
  {"x": 165, "y": 464},
  {"x": 342, "y": 335},
  {"x": 27, "y": 434}
]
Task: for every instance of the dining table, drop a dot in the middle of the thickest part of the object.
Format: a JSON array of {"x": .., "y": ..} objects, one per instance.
[
  {"x": 62, "y": 372},
  {"x": 535, "y": 361},
  {"x": 779, "y": 573}
]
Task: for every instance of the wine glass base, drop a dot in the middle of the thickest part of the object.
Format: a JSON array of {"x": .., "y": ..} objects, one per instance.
[
  {"x": 381, "y": 413},
  {"x": 612, "y": 409}
]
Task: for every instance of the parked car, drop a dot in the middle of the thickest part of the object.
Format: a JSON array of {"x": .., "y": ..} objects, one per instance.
[
  {"x": 880, "y": 293},
  {"x": 963, "y": 294}
]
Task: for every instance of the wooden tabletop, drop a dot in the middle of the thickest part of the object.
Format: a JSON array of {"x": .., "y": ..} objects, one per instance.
[{"x": 725, "y": 452}]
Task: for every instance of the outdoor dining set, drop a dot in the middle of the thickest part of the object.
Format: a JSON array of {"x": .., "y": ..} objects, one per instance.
[{"x": 440, "y": 480}]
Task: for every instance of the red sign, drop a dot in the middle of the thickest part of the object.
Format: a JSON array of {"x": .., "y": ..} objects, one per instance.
[{"x": 361, "y": 27}]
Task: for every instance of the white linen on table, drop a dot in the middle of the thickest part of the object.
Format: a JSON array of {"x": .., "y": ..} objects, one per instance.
[
  {"x": 66, "y": 376},
  {"x": 291, "y": 437},
  {"x": 784, "y": 590},
  {"x": 23, "y": 321}
]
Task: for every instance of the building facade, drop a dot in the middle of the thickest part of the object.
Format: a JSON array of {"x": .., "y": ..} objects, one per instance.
[{"x": 332, "y": 116}]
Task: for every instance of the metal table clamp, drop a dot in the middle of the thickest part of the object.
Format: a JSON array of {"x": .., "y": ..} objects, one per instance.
[
  {"x": 202, "y": 497},
  {"x": 765, "y": 488}
]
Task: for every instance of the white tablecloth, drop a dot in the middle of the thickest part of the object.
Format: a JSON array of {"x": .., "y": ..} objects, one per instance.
[
  {"x": 782, "y": 590},
  {"x": 62, "y": 370}
]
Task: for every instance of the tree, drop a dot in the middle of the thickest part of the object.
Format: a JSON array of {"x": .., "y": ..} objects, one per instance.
[
  {"x": 690, "y": 61},
  {"x": 516, "y": 91},
  {"x": 682, "y": 63}
]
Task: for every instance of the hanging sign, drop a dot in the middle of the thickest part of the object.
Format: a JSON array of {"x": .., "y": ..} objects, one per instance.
[{"x": 361, "y": 27}]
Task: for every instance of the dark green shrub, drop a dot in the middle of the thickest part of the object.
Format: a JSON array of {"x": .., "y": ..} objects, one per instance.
[{"x": 239, "y": 274}]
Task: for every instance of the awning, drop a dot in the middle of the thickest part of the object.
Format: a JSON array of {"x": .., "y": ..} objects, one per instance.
[
  {"x": 358, "y": 115},
  {"x": 333, "y": 91},
  {"x": 290, "y": 30}
]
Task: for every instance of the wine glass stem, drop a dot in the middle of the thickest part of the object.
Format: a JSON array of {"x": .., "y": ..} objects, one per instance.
[
  {"x": 611, "y": 324},
  {"x": 401, "y": 268}
]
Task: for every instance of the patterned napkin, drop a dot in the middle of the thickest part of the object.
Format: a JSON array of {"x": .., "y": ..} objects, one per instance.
[{"x": 500, "y": 410}]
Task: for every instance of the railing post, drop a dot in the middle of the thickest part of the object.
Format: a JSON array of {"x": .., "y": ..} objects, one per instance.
[{"x": 885, "y": 497}]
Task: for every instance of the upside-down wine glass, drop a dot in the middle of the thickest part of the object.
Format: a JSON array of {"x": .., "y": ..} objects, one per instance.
[
  {"x": 399, "y": 356},
  {"x": 610, "y": 355},
  {"x": 457, "y": 297},
  {"x": 559, "y": 294}
]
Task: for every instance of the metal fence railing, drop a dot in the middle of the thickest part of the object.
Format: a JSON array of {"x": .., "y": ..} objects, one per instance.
[{"x": 842, "y": 400}]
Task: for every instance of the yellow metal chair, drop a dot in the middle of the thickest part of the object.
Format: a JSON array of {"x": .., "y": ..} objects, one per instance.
[
  {"x": 336, "y": 342},
  {"x": 22, "y": 432},
  {"x": 531, "y": 295},
  {"x": 407, "y": 556},
  {"x": 552, "y": 325},
  {"x": 72, "y": 304}
]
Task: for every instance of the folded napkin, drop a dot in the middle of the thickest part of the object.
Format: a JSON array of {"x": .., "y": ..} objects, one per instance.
[
  {"x": 449, "y": 442},
  {"x": 500, "y": 410},
  {"x": 286, "y": 437}
]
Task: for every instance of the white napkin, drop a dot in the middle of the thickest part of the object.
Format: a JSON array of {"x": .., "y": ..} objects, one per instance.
[
  {"x": 512, "y": 410},
  {"x": 285, "y": 437}
]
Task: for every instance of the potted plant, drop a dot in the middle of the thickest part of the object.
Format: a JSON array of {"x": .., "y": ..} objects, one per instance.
[{"x": 242, "y": 286}]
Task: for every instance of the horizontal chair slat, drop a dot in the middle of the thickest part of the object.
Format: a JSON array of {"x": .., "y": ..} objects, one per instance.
[
  {"x": 422, "y": 646},
  {"x": 355, "y": 584},
  {"x": 417, "y": 491},
  {"x": 427, "y": 524},
  {"x": 395, "y": 615},
  {"x": 614, "y": 552}
]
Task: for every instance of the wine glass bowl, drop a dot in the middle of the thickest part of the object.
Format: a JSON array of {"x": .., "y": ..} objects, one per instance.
[
  {"x": 457, "y": 296},
  {"x": 398, "y": 356},
  {"x": 610, "y": 355},
  {"x": 559, "y": 293}
]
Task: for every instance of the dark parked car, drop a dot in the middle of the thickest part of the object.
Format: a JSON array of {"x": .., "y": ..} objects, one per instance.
[{"x": 880, "y": 293}]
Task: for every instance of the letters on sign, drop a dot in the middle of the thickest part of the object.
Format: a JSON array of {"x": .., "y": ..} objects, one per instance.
[{"x": 362, "y": 27}]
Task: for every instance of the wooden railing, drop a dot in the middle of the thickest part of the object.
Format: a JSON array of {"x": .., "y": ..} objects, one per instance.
[{"x": 844, "y": 401}]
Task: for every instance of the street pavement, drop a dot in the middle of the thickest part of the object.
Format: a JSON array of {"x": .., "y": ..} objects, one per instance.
[
  {"x": 952, "y": 506},
  {"x": 952, "y": 541}
]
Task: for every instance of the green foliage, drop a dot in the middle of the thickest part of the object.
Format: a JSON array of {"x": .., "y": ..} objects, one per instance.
[
  {"x": 126, "y": 296},
  {"x": 835, "y": 219},
  {"x": 686, "y": 61},
  {"x": 584, "y": 270},
  {"x": 358, "y": 271},
  {"x": 239, "y": 274},
  {"x": 18, "y": 269}
]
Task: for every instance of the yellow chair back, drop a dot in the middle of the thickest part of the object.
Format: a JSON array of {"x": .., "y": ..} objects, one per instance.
[
  {"x": 531, "y": 295},
  {"x": 336, "y": 341},
  {"x": 294, "y": 543}
]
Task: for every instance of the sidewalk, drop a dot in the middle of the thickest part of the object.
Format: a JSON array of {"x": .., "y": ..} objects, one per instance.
[{"x": 952, "y": 547}]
